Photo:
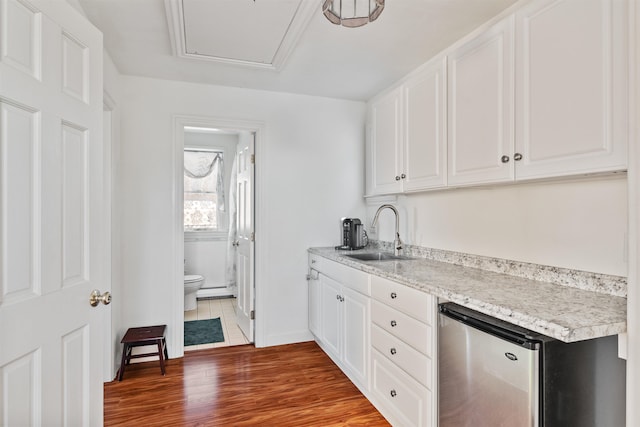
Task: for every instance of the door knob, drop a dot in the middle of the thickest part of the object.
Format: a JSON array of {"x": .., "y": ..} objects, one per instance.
[{"x": 95, "y": 298}]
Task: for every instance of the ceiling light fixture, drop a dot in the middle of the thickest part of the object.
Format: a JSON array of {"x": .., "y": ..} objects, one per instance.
[{"x": 352, "y": 13}]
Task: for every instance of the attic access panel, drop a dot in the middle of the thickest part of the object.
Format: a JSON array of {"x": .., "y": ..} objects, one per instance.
[{"x": 258, "y": 33}]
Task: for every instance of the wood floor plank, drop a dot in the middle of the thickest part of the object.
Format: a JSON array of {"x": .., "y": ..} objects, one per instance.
[{"x": 291, "y": 385}]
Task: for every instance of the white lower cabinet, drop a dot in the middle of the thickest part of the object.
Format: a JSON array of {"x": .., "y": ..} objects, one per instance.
[
  {"x": 314, "y": 302},
  {"x": 343, "y": 331},
  {"x": 382, "y": 334},
  {"x": 399, "y": 397},
  {"x": 403, "y": 364}
]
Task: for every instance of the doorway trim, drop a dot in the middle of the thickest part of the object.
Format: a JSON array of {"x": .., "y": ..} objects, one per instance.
[{"x": 177, "y": 244}]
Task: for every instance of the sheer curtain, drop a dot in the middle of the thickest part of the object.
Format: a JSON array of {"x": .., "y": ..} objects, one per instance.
[
  {"x": 199, "y": 165},
  {"x": 230, "y": 269}
]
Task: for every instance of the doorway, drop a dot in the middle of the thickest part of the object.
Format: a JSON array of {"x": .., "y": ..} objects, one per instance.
[{"x": 246, "y": 206}]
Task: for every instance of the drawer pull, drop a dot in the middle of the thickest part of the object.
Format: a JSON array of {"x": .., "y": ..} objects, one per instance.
[
  {"x": 393, "y": 323},
  {"x": 394, "y": 295},
  {"x": 393, "y": 350},
  {"x": 393, "y": 393}
]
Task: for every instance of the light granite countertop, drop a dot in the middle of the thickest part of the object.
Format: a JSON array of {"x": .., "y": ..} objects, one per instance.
[{"x": 563, "y": 312}]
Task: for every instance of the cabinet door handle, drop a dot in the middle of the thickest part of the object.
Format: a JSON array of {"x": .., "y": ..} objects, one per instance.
[
  {"x": 504, "y": 159},
  {"x": 517, "y": 157},
  {"x": 394, "y": 295},
  {"x": 393, "y": 323},
  {"x": 393, "y": 393},
  {"x": 397, "y": 178},
  {"x": 403, "y": 176},
  {"x": 393, "y": 350}
]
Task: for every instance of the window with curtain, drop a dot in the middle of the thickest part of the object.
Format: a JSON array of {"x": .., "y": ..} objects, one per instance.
[{"x": 204, "y": 200}]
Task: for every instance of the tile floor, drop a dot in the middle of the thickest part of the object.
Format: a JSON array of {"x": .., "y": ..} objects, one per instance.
[{"x": 225, "y": 309}]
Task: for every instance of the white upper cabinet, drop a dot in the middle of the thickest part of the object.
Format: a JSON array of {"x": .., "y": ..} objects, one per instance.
[
  {"x": 384, "y": 156},
  {"x": 542, "y": 93},
  {"x": 571, "y": 80},
  {"x": 407, "y": 143},
  {"x": 425, "y": 121},
  {"x": 480, "y": 139}
]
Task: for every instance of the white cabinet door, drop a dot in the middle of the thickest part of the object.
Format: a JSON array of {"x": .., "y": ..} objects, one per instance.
[
  {"x": 570, "y": 87},
  {"x": 356, "y": 334},
  {"x": 331, "y": 317},
  {"x": 480, "y": 128},
  {"x": 385, "y": 145},
  {"x": 425, "y": 129},
  {"x": 314, "y": 303}
]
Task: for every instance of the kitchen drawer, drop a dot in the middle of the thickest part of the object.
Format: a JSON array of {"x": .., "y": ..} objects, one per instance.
[
  {"x": 416, "y": 364},
  {"x": 315, "y": 262},
  {"x": 408, "y": 300},
  {"x": 408, "y": 403},
  {"x": 347, "y": 276},
  {"x": 416, "y": 334}
]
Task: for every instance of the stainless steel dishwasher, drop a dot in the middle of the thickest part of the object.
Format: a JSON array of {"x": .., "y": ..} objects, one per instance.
[{"x": 492, "y": 373}]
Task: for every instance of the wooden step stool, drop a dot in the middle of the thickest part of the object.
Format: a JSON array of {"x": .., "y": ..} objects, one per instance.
[{"x": 135, "y": 337}]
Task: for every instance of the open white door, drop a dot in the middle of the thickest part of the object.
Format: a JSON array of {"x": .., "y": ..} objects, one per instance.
[
  {"x": 51, "y": 201},
  {"x": 246, "y": 246}
]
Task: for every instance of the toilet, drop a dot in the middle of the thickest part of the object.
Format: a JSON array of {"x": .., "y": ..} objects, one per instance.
[{"x": 192, "y": 283}]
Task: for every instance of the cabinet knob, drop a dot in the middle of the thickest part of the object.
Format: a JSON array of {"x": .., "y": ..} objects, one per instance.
[
  {"x": 397, "y": 178},
  {"x": 393, "y": 393},
  {"x": 403, "y": 176},
  {"x": 394, "y": 295},
  {"x": 504, "y": 159},
  {"x": 393, "y": 323},
  {"x": 393, "y": 350},
  {"x": 517, "y": 157},
  {"x": 338, "y": 297}
]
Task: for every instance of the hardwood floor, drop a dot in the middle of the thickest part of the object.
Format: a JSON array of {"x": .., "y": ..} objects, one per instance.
[{"x": 290, "y": 385}]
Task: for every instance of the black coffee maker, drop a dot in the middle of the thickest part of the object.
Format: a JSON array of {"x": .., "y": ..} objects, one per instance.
[{"x": 353, "y": 234}]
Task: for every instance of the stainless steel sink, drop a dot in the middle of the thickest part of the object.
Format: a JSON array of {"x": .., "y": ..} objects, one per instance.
[{"x": 378, "y": 256}]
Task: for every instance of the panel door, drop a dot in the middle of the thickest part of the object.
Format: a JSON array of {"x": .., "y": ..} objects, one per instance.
[
  {"x": 385, "y": 144},
  {"x": 571, "y": 87},
  {"x": 356, "y": 335},
  {"x": 425, "y": 121},
  {"x": 245, "y": 242},
  {"x": 314, "y": 302},
  {"x": 331, "y": 315},
  {"x": 480, "y": 128},
  {"x": 51, "y": 206}
]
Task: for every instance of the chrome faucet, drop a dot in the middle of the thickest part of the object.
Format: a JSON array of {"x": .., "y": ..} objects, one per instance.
[{"x": 397, "y": 243}]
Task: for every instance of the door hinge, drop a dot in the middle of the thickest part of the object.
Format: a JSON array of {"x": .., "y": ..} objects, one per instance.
[
  {"x": 253, "y": 314},
  {"x": 253, "y": 159},
  {"x": 253, "y": 236}
]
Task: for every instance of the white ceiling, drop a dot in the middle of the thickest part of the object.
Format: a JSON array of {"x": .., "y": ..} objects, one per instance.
[{"x": 325, "y": 60}]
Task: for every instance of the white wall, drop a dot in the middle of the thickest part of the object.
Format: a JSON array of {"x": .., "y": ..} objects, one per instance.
[
  {"x": 311, "y": 164},
  {"x": 579, "y": 224}
]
